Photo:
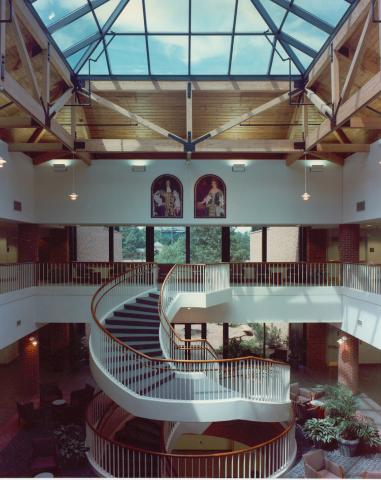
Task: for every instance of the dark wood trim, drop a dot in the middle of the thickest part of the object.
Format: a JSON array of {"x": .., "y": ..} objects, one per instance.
[
  {"x": 303, "y": 235},
  {"x": 225, "y": 340},
  {"x": 264, "y": 244},
  {"x": 110, "y": 244},
  {"x": 150, "y": 244},
  {"x": 187, "y": 244},
  {"x": 204, "y": 332},
  {"x": 225, "y": 244},
  {"x": 73, "y": 251}
]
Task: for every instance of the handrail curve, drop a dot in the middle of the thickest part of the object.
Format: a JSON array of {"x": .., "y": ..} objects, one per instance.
[{"x": 282, "y": 447}]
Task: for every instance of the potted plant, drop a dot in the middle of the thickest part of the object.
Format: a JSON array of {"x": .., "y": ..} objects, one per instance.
[
  {"x": 322, "y": 432},
  {"x": 71, "y": 444},
  {"x": 341, "y": 406}
]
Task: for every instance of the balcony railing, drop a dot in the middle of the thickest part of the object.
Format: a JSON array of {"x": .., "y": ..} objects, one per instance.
[{"x": 111, "y": 458}]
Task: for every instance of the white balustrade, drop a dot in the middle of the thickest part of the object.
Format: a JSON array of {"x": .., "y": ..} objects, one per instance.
[
  {"x": 366, "y": 278},
  {"x": 267, "y": 460}
]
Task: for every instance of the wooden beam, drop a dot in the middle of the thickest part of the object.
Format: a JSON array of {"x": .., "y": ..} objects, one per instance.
[
  {"x": 369, "y": 123},
  {"x": 189, "y": 113},
  {"x": 343, "y": 148},
  {"x": 37, "y": 135},
  {"x": 341, "y": 136},
  {"x": 344, "y": 33},
  {"x": 137, "y": 118},
  {"x": 291, "y": 158},
  {"x": 265, "y": 86},
  {"x": 356, "y": 61},
  {"x": 366, "y": 94},
  {"x": 46, "y": 78},
  {"x": 335, "y": 79},
  {"x": 320, "y": 104},
  {"x": 34, "y": 147},
  {"x": 331, "y": 157},
  {"x": 3, "y": 38},
  {"x": 85, "y": 157},
  {"x": 37, "y": 32},
  {"x": 32, "y": 107},
  {"x": 252, "y": 113},
  {"x": 24, "y": 55},
  {"x": 47, "y": 156},
  {"x": 60, "y": 102}
]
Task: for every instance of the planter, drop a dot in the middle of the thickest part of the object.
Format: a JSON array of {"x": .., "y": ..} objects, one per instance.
[{"x": 348, "y": 448}]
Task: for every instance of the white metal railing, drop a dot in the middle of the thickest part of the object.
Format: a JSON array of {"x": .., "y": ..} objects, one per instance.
[
  {"x": 17, "y": 276},
  {"x": 366, "y": 278},
  {"x": 250, "y": 378},
  {"x": 286, "y": 274},
  {"x": 267, "y": 460}
]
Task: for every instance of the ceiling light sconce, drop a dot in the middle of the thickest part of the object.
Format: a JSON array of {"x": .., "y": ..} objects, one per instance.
[
  {"x": 59, "y": 167},
  {"x": 342, "y": 340},
  {"x": 239, "y": 168},
  {"x": 306, "y": 196},
  {"x": 138, "y": 168},
  {"x": 2, "y": 162},
  {"x": 33, "y": 340},
  {"x": 73, "y": 195}
]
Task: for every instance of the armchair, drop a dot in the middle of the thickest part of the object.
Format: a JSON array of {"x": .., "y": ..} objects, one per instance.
[
  {"x": 48, "y": 393},
  {"x": 317, "y": 465}
]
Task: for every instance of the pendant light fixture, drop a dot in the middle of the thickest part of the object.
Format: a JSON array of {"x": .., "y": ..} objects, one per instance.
[
  {"x": 2, "y": 162},
  {"x": 306, "y": 196},
  {"x": 73, "y": 195}
]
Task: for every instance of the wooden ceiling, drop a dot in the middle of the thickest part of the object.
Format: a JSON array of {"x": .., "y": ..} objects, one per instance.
[{"x": 278, "y": 132}]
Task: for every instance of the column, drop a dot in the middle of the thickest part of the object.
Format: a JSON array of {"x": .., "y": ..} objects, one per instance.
[
  {"x": 30, "y": 365},
  {"x": 225, "y": 340},
  {"x": 150, "y": 244},
  {"x": 203, "y": 331},
  {"x": 349, "y": 243},
  {"x": 316, "y": 245},
  {"x": 28, "y": 238},
  {"x": 264, "y": 244},
  {"x": 72, "y": 236},
  {"x": 225, "y": 244},
  {"x": 316, "y": 334},
  {"x": 188, "y": 336},
  {"x": 348, "y": 362},
  {"x": 110, "y": 244},
  {"x": 187, "y": 244}
]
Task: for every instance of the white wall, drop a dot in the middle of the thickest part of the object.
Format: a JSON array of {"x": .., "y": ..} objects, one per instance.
[
  {"x": 109, "y": 193},
  {"x": 362, "y": 181},
  {"x": 16, "y": 183}
]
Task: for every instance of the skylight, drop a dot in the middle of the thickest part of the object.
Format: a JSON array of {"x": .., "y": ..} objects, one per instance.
[{"x": 240, "y": 38}]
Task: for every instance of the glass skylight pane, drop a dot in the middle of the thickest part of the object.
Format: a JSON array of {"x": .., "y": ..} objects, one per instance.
[
  {"x": 251, "y": 55},
  {"x": 248, "y": 18},
  {"x": 210, "y": 55},
  {"x": 128, "y": 55},
  {"x": 74, "y": 59},
  {"x": 76, "y": 31},
  {"x": 96, "y": 68},
  {"x": 51, "y": 11},
  {"x": 167, "y": 16},
  {"x": 104, "y": 11},
  {"x": 212, "y": 16},
  {"x": 304, "y": 32},
  {"x": 303, "y": 58},
  {"x": 280, "y": 66},
  {"x": 168, "y": 54},
  {"x": 131, "y": 19},
  {"x": 276, "y": 12},
  {"x": 330, "y": 12}
]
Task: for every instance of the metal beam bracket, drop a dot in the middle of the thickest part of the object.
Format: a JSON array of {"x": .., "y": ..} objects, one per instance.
[{"x": 10, "y": 18}]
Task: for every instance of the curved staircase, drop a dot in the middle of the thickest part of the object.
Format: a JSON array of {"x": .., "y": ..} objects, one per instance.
[{"x": 141, "y": 363}]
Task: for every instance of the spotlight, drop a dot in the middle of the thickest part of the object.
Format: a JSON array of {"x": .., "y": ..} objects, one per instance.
[
  {"x": 73, "y": 196},
  {"x": 306, "y": 196},
  {"x": 33, "y": 341},
  {"x": 342, "y": 340}
]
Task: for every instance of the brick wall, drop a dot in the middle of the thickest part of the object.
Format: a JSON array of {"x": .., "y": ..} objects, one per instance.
[
  {"x": 316, "y": 345},
  {"x": 349, "y": 243},
  {"x": 348, "y": 362}
]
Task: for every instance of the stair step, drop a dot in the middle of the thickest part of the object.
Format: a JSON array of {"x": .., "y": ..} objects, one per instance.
[
  {"x": 134, "y": 330},
  {"x": 140, "y": 307},
  {"x": 154, "y": 295},
  {"x": 135, "y": 339},
  {"x": 129, "y": 323},
  {"x": 142, "y": 315},
  {"x": 147, "y": 301}
]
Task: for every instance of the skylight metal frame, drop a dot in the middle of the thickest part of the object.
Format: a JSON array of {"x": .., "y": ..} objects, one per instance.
[{"x": 287, "y": 41}]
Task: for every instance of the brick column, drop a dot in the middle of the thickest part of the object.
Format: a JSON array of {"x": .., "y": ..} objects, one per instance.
[
  {"x": 349, "y": 243},
  {"x": 28, "y": 238},
  {"x": 316, "y": 245},
  {"x": 30, "y": 364},
  {"x": 316, "y": 345},
  {"x": 348, "y": 362}
]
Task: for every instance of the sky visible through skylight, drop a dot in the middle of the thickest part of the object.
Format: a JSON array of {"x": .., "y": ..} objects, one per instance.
[{"x": 190, "y": 37}]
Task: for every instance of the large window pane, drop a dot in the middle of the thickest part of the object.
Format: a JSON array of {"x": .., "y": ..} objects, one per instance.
[
  {"x": 205, "y": 244},
  {"x": 133, "y": 244},
  {"x": 240, "y": 244},
  {"x": 169, "y": 244}
]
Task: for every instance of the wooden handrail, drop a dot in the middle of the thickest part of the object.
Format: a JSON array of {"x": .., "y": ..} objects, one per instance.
[
  {"x": 95, "y": 302},
  {"x": 169, "y": 455}
]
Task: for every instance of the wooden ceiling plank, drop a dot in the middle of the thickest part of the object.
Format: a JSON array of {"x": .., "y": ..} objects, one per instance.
[
  {"x": 369, "y": 123},
  {"x": 343, "y": 148}
]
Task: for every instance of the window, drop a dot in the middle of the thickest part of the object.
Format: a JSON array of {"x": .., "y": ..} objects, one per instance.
[
  {"x": 240, "y": 244},
  {"x": 205, "y": 244},
  {"x": 132, "y": 244},
  {"x": 169, "y": 244}
]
